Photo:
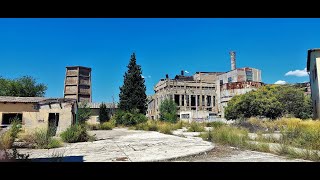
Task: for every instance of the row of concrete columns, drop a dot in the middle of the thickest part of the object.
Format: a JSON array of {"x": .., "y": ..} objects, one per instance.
[{"x": 200, "y": 104}]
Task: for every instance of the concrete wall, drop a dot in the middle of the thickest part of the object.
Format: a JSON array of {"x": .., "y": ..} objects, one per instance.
[
  {"x": 94, "y": 119},
  {"x": 314, "y": 83}
]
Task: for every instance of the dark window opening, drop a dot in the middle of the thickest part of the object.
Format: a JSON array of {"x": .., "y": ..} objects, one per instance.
[
  {"x": 176, "y": 99},
  {"x": 214, "y": 101},
  {"x": 182, "y": 100},
  {"x": 221, "y": 82},
  {"x": 8, "y": 118},
  {"x": 203, "y": 101},
  {"x": 208, "y": 100},
  {"x": 187, "y": 100},
  {"x": 198, "y": 100},
  {"x": 193, "y": 100}
]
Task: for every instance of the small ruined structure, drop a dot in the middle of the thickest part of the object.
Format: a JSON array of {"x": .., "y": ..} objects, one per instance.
[
  {"x": 95, "y": 107},
  {"x": 204, "y": 95},
  {"x": 38, "y": 112},
  {"x": 77, "y": 83},
  {"x": 313, "y": 64}
]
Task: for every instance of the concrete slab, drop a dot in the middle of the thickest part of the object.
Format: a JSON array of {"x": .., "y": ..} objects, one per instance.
[{"x": 126, "y": 145}]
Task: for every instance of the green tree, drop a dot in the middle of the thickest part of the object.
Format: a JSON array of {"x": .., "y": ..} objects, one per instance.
[
  {"x": 271, "y": 101},
  {"x": 104, "y": 114},
  {"x": 25, "y": 86},
  {"x": 83, "y": 113},
  {"x": 168, "y": 111},
  {"x": 133, "y": 92}
]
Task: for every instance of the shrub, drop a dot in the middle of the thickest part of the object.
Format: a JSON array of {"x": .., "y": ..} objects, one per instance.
[
  {"x": 93, "y": 126},
  {"x": 107, "y": 126},
  {"x": 165, "y": 128},
  {"x": 54, "y": 143},
  {"x": 215, "y": 124},
  {"x": 168, "y": 111},
  {"x": 75, "y": 133},
  {"x": 41, "y": 139},
  {"x": 196, "y": 127},
  {"x": 7, "y": 138},
  {"x": 229, "y": 135},
  {"x": 128, "y": 118}
]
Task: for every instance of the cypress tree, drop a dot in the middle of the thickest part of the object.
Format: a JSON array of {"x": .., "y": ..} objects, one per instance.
[
  {"x": 103, "y": 113},
  {"x": 133, "y": 91}
]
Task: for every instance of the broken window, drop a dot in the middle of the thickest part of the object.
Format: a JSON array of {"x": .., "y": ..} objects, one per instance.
[
  {"x": 187, "y": 100},
  {"x": 208, "y": 100},
  {"x": 214, "y": 101},
  {"x": 182, "y": 100},
  {"x": 9, "y": 117},
  {"x": 203, "y": 101},
  {"x": 193, "y": 100},
  {"x": 176, "y": 99}
]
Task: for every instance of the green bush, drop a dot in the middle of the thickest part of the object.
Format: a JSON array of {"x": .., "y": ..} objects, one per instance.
[
  {"x": 75, "y": 133},
  {"x": 41, "y": 139},
  {"x": 165, "y": 128},
  {"x": 168, "y": 111},
  {"x": 215, "y": 124},
  {"x": 107, "y": 126},
  {"x": 128, "y": 119},
  {"x": 54, "y": 143},
  {"x": 196, "y": 127},
  {"x": 8, "y": 138}
]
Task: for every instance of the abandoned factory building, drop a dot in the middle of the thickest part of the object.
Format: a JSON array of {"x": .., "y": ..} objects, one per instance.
[
  {"x": 38, "y": 112},
  {"x": 205, "y": 94}
]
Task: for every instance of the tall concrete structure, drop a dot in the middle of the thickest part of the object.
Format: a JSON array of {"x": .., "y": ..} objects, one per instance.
[
  {"x": 77, "y": 83},
  {"x": 205, "y": 94},
  {"x": 313, "y": 66},
  {"x": 233, "y": 60}
]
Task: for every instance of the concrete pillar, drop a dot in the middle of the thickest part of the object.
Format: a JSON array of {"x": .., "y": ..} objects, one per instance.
[
  {"x": 180, "y": 100},
  {"x": 190, "y": 102},
  {"x": 185, "y": 102},
  {"x": 200, "y": 101}
]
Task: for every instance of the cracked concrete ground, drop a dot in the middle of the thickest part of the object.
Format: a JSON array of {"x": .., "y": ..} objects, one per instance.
[{"x": 121, "y": 144}]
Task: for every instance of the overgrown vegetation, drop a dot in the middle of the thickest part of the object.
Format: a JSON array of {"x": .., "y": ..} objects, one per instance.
[
  {"x": 168, "y": 111},
  {"x": 107, "y": 125},
  {"x": 129, "y": 118},
  {"x": 215, "y": 124},
  {"x": 7, "y": 152},
  {"x": 75, "y": 133},
  {"x": 104, "y": 113},
  {"x": 196, "y": 127},
  {"x": 41, "y": 139},
  {"x": 25, "y": 86},
  {"x": 271, "y": 101},
  {"x": 83, "y": 113},
  {"x": 160, "y": 126}
]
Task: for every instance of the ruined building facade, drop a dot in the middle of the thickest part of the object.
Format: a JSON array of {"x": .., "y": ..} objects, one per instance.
[
  {"x": 205, "y": 94},
  {"x": 77, "y": 83}
]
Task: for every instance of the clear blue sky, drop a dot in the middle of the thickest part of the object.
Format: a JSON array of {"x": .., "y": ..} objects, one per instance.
[{"x": 42, "y": 48}]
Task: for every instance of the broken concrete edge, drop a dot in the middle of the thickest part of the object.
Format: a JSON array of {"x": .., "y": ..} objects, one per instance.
[{"x": 183, "y": 156}]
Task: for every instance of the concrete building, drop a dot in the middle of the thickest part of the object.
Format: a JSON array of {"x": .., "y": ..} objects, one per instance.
[
  {"x": 38, "y": 112},
  {"x": 77, "y": 83},
  {"x": 205, "y": 94},
  {"x": 313, "y": 66}
]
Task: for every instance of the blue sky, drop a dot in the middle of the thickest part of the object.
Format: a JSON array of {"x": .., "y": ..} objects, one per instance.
[{"x": 42, "y": 48}]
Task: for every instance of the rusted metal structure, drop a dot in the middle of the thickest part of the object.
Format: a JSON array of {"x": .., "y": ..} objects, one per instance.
[{"x": 77, "y": 83}]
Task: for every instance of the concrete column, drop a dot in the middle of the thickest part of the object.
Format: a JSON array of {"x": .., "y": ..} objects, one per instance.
[
  {"x": 185, "y": 102},
  {"x": 190, "y": 102},
  {"x": 197, "y": 104},
  {"x": 180, "y": 101},
  {"x": 200, "y": 101}
]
